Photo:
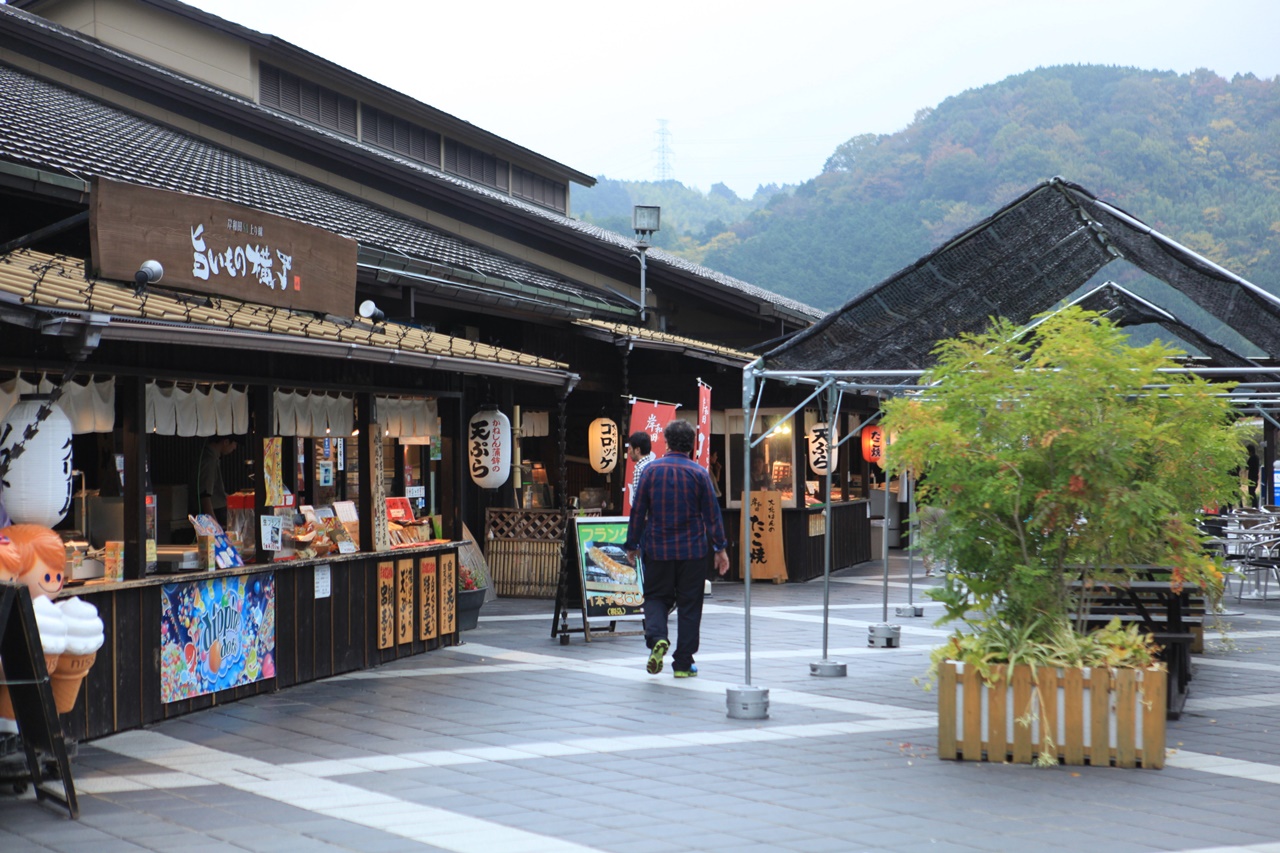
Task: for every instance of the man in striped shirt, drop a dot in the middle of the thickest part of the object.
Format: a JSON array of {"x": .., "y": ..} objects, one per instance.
[{"x": 676, "y": 525}]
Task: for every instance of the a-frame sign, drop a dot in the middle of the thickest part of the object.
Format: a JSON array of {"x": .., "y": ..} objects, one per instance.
[{"x": 27, "y": 679}]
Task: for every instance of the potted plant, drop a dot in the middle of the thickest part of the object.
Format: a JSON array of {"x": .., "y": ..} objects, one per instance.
[
  {"x": 1058, "y": 456},
  {"x": 473, "y": 585}
]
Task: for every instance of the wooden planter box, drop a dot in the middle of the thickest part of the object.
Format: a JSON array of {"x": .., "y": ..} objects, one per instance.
[{"x": 1100, "y": 717}]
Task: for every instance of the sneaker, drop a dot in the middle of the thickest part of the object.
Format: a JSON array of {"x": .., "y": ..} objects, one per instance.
[
  {"x": 654, "y": 666},
  {"x": 691, "y": 672}
]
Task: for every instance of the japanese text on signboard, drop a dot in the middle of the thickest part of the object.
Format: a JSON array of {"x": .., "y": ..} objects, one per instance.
[{"x": 248, "y": 260}]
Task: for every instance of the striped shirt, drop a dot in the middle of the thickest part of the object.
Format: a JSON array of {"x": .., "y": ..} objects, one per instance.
[{"x": 675, "y": 515}]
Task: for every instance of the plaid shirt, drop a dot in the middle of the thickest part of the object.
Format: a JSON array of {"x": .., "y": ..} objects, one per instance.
[{"x": 675, "y": 515}]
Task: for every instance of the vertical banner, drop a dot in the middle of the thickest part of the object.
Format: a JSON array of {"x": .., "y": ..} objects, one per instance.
[
  {"x": 273, "y": 465},
  {"x": 216, "y": 634},
  {"x": 428, "y": 629},
  {"x": 651, "y": 417},
  {"x": 764, "y": 518},
  {"x": 386, "y": 605},
  {"x": 702, "y": 450}
]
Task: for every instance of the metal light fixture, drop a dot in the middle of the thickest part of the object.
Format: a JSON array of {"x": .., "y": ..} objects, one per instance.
[
  {"x": 370, "y": 311},
  {"x": 645, "y": 219}
]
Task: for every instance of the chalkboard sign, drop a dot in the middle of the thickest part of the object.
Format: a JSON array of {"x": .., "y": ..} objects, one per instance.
[{"x": 612, "y": 584}]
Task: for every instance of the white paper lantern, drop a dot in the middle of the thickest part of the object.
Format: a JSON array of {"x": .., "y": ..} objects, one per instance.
[
  {"x": 37, "y": 486},
  {"x": 489, "y": 448},
  {"x": 602, "y": 445},
  {"x": 822, "y": 444}
]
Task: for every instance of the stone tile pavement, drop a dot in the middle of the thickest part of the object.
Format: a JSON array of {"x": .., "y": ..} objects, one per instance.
[{"x": 512, "y": 742}]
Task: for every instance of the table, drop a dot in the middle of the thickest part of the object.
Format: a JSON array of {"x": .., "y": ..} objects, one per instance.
[{"x": 1164, "y": 613}]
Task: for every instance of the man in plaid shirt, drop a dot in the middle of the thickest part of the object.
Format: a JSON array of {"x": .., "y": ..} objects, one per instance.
[{"x": 675, "y": 523}]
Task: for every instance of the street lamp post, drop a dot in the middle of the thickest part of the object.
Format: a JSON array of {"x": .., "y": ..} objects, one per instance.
[{"x": 645, "y": 219}]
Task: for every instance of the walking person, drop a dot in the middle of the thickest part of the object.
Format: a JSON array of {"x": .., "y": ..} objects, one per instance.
[
  {"x": 639, "y": 451},
  {"x": 676, "y": 525}
]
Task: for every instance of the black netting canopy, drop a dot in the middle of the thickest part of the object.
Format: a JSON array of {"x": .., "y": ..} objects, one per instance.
[{"x": 1021, "y": 261}]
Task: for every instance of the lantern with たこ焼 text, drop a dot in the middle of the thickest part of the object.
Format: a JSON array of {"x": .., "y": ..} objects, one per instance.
[
  {"x": 489, "y": 448},
  {"x": 602, "y": 445},
  {"x": 873, "y": 444}
]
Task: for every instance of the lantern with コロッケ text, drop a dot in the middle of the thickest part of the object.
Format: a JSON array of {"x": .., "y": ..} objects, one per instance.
[
  {"x": 602, "y": 445},
  {"x": 823, "y": 439},
  {"x": 873, "y": 445},
  {"x": 38, "y": 480},
  {"x": 489, "y": 448}
]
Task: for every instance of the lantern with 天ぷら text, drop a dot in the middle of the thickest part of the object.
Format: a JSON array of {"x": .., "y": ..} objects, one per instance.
[
  {"x": 37, "y": 484},
  {"x": 489, "y": 448},
  {"x": 873, "y": 445},
  {"x": 822, "y": 442},
  {"x": 602, "y": 445}
]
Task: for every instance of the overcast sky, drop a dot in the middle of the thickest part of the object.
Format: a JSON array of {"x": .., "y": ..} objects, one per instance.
[{"x": 752, "y": 93}]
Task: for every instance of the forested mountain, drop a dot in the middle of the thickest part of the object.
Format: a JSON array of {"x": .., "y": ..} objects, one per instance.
[
  {"x": 690, "y": 219},
  {"x": 1195, "y": 156}
]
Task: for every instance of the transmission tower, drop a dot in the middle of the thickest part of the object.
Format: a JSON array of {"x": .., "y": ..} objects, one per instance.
[{"x": 663, "y": 151}]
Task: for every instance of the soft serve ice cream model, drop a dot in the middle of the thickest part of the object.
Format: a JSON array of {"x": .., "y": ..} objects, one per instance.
[{"x": 84, "y": 638}]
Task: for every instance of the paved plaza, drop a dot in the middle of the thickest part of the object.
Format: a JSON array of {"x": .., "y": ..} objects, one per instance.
[{"x": 513, "y": 742}]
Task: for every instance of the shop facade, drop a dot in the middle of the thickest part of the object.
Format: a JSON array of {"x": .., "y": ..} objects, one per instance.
[{"x": 411, "y": 293}]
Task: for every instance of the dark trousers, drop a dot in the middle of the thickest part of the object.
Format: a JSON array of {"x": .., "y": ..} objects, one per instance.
[{"x": 679, "y": 582}]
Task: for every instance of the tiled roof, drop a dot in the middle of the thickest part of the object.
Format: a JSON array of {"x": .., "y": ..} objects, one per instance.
[
  {"x": 622, "y": 331},
  {"x": 51, "y": 282},
  {"x": 52, "y": 128},
  {"x": 604, "y": 236}
]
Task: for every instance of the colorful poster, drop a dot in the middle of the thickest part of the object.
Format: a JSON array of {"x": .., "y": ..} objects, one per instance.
[
  {"x": 612, "y": 584},
  {"x": 651, "y": 417},
  {"x": 216, "y": 634},
  {"x": 272, "y": 478},
  {"x": 702, "y": 450}
]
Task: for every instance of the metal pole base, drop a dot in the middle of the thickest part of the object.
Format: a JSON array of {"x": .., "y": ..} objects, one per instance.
[
  {"x": 910, "y": 610},
  {"x": 829, "y": 668},
  {"x": 747, "y": 703},
  {"x": 884, "y": 636}
]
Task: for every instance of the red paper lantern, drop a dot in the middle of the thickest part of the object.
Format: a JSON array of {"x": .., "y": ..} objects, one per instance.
[{"x": 873, "y": 445}]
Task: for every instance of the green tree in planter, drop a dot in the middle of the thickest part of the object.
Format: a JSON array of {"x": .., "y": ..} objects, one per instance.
[{"x": 1055, "y": 453}]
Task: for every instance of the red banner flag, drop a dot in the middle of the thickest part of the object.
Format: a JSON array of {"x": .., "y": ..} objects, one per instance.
[
  {"x": 702, "y": 450},
  {"x": 652, "y": 418}
]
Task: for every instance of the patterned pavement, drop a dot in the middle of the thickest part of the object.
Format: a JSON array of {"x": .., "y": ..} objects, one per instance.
[{"x": 512, "y": 742}]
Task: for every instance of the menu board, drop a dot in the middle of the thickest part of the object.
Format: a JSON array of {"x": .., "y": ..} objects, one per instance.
[{"x": 612, "y": 583}]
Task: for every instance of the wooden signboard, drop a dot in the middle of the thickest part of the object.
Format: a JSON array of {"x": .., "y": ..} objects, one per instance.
[
  {"x": 448, "y": 580},
  {"x": 404, "y": 601},
  {"x": 764, "y": 519},
  {"x": 428, "y": 629},
  {"x": 386, "y": 605},
  {"x": 220, "y": 249}
]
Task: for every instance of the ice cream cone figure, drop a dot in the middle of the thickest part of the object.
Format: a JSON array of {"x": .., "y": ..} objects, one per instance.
[{"x": 84, "y": 638}]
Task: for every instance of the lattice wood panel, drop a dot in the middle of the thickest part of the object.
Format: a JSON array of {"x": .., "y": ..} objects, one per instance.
[
  {"x": 543, "y": 525},
  {"x": 523, "y": 568}
]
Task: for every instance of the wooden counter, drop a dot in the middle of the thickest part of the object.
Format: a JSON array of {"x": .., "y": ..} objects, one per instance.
[
  {"x": 803, "y": 541},
  {"x": 314, "y": 637}
]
